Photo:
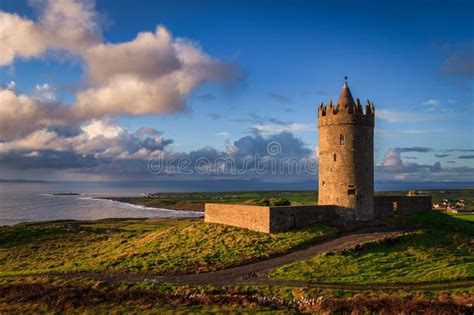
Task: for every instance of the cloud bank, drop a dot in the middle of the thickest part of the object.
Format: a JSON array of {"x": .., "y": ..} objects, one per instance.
[
  {"x": 153, "y": 73},
  {"x": 393, "y": 167}
]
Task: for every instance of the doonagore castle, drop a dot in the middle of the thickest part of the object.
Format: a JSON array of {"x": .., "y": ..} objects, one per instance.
[
  {"x": 346, "y": 178},
  {"x": 346, "y": 155}
]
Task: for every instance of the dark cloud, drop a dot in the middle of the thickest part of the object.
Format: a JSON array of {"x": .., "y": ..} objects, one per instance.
[
  {"x": 66, "y": 131},
  {"x": 215, "y": 116},
  {"x": 128, "y": 154},
  {"x": 206, "y": 97},
  {"x": 249, "y": 157},
  {"x": 317, "y": 92},
  {"x": 441, "y": 155},
  {"x": 467, "y": 157},
  {"x": 281, "y": 98},
  {"x": 154, "y": 144},
  {"x": 413, "y": 149},
  {"x": 255, "y": 118},
  {"x": 393, "y": 167},
  {"x": 288, "y": 145},
  {"x": 459, "y": 150},
  {"x": 260, "y": 120},
  {"x": 50, "y": 159},
  {"x": 411, "y": 157},
  {"x": 460, "y": 62},
  {"x": 451, "y": 162}
]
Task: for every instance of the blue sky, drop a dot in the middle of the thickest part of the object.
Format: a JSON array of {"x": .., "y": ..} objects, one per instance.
[{"x": 413, "y": 59}]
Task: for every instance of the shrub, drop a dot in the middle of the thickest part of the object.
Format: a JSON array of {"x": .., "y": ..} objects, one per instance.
[
  {"x": 281, "y": 202},
  {"x": 264, "y": 202}
]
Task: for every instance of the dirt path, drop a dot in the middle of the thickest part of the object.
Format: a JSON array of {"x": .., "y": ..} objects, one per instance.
[
  {"x": 256, "y": 272},
  {"x": 248, "y": 273}
]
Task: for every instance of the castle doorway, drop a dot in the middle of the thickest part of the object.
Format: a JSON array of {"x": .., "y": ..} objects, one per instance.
[{"x": 291, "y": 221}]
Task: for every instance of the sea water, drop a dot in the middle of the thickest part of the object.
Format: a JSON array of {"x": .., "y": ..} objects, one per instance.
[{"x": 26, "y": 202}]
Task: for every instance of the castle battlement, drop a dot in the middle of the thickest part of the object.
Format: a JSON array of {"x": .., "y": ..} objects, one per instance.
[
  {"x": 346, "y": 111},
  {"x": 346, "y": 114}
]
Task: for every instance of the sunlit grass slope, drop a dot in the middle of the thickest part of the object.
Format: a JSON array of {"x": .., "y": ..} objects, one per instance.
[
  {"x": 442, "y": 250},
  {"x": 160, "y": 246}
]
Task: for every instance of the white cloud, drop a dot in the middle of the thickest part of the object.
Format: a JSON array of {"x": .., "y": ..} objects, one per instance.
[
  {"x": 11, "y": 85},
  {"x": 276, "y": 128},
  {"x": 151, "y": 74},
  {"x": 396, "y": 116},
  {"x": 432, "y": 102},
  {"x": 32, "y": 154},
  {"x": 148, "y": 56},
  {"x": 159, "y": 74},
  {"x": 20, "y": 38},
  {"x": 20, "y": 115},
  {"x": 63, "y": 25},
  {"x": 97, "y": 128},
  {"x": 99, "y": 138},
  {"x": 44, "y": 93},
  {"x": 224, "y": 135}
]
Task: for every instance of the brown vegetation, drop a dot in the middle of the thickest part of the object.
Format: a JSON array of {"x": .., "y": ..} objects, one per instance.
[{"x": 57, "y": 297}]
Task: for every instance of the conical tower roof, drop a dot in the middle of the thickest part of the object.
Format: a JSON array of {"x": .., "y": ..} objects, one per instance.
[{"x": 345, "y": 99}]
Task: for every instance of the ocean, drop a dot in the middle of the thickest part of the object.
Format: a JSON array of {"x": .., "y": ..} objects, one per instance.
[{"x": 26, "y": 202}]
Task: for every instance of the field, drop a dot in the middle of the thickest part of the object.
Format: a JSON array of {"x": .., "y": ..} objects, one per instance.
[
  {"x": 159, "y": 246},
  {"x": 443, "y": 250},
  {"x": 196, "y": 201}
]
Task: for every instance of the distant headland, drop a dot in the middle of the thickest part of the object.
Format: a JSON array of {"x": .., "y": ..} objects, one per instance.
[{"x": 22, "y": 181}]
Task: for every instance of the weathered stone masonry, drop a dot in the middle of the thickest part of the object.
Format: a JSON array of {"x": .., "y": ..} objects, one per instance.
[{"x": 269, "y": 219}]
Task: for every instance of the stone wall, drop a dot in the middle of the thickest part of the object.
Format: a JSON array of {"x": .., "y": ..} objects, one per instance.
[
  {"x": 269, "y": 219},
  {"x": 254, "y": 218},
  {"x": 286, "y": 218},
  {"x": 386, "y": 206}
]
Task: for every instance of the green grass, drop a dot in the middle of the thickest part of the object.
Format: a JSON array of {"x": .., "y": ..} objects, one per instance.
[
  {"x": 196, "y": 201},
  {"x": 435, "y": 220},
  {"x": 467, "y": 217},
  {"x": 442, "y": 250},
  {"x": 159, "y": 246}
]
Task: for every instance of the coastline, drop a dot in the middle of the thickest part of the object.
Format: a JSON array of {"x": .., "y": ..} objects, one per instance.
[
  {"x": 156, "y": 204},
  {"x": 130, "y": 202}
]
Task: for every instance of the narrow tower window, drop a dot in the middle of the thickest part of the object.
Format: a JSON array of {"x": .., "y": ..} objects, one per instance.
[
  {"x": 334, "y": 157},
  {"x": 351, "y": 190},
  {"x": 341, "y": 139}
]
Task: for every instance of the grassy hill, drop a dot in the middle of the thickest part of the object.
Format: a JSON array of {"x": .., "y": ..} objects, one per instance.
[
  {"x": 139, "y": 245},
  {"x": 442, "y": 250}
]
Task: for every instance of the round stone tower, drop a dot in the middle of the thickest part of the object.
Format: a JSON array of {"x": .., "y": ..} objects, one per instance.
[{"x": 346, "y": 157}]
